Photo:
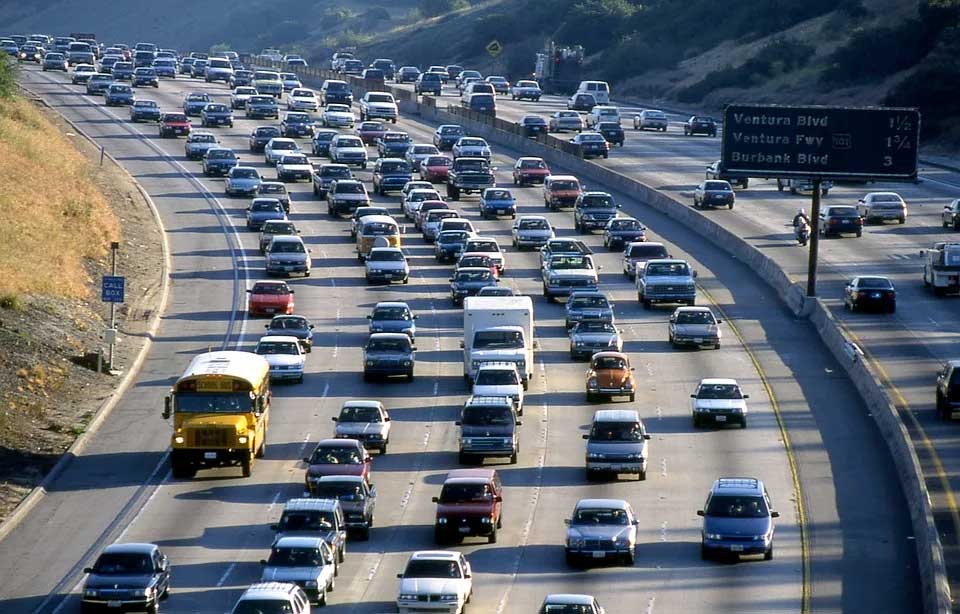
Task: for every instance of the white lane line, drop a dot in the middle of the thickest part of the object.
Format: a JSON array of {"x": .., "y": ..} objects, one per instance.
[
  {"x": 534, "y": 497},
  {"x": 659, "y": 413},
  {"x": 650, "y": 603},
  {"x": 663, "y": 531},
  {"x": 326, "y": 389},
  {"x": 663, "y": 467}
]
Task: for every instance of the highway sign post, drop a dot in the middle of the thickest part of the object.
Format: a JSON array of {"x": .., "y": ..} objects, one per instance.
[
  {"x": 820, "y": 143},
  {"x": 112, "y": 290}
]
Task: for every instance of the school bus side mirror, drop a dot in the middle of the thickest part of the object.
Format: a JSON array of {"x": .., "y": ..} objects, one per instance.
[{"x": 167, "y": 407}]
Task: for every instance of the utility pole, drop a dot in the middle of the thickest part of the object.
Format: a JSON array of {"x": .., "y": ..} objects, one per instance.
[{"x": 814, "y": 240}]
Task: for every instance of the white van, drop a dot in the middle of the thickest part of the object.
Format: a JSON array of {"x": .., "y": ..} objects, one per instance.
[{"x": 599, "y": 89}]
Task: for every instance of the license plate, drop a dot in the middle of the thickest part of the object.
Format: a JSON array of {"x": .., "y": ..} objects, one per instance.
[
  {"x": 289, "y": 268},
  {"x": 616, "y": 468},
  {"x": 875, "y": 295},
  {"x": 698, "y": 339},
  {"x": 114, "y": 604},
  {"x": 598, "y": 555},
  {"x": 736, "y": 548},
  {"x": 464, "y": 529},
  {"x": 210, "y": 455},
  {"x": 720, "y": 418},
  {"x": 269, "y": 310}
]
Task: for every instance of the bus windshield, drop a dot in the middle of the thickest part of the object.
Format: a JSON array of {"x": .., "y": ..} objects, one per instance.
[{"x": 214, "y": 402}]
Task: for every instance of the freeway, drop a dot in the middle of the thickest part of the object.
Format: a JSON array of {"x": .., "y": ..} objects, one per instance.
[
  {"x": 214, "y": 528},
  {"x": 909, "y": 347}
]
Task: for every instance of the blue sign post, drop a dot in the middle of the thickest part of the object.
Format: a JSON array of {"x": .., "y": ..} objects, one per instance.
[{"x": 112, "y": 290}]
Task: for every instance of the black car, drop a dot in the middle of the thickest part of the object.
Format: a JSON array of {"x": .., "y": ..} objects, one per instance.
[
  {"x": 870, "y": 292},
  {"x": 145, "y": 77},
  {"x": 532, "y": 126},
  {"x": 126, "y": 577},
  {"x": 582, "y": 102},
  {"x": 612, "y": 131},
  {"x": 840, "y": 219},
  {"x": 700, "y": 125},
  {"x": 321, "y": 141},
  {"x": 714, "y": 193},
  {"x": 292, "y": 326},
  {"x": 714, "y": 172},
  {"x": 590, "y": 145},
  {"x": 297, "y": 124},
  {"x": 622, "y": 230},
  {"x": 261, "y": 136}
]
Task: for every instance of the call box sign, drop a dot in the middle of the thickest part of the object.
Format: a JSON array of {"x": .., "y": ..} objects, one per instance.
[{"x": 816, "y": 142}]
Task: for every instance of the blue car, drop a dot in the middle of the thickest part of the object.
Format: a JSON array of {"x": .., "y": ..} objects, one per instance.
[
  {"x": 262, "y": 210},
  {"x": 495, "y": 202},
  {"x": 145, "y": 77},
  {"x": 393, "y": 317},
  {"x": 737, "y": 519},
  {"x": 118, "y": 94},
  {"x": 216, "y": 114},
  {"x": 194, "y": 102},
  {"x": 391, "y": 174}
]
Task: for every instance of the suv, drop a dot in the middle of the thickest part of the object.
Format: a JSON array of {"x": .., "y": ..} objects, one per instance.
[
  {"x": 617, "y": 443},
  {"x": 469, "y": 175},
  {"x": 321, "y": 518},
  {"x": 334, "y": 91},
  {"x": 593, "y": 210},
  {"x": 737, "y": 519},
  {"x": 273, "y": 597},
  {"x": 601, "y": 529},
  {"x": 488, "y": 428},
  {"x": 948, "y": 390},
  {"x": 391, "y": 174},
  {"x": 470, "y": 503},
  {"x": 305, "y": 561},
  {"x": 435, "y": 580}
]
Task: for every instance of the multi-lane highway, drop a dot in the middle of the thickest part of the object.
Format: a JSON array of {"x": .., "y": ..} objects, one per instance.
[{"x": 215, "y": 527}]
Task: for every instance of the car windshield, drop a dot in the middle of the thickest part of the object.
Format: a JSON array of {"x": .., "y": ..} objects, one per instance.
[
  {"x": 454, "y": 236},
  {"x": 391, "y": 313},
  {"x": 843, "y": 212},
  {"x": 359, "y": 414},
  {"x": 379, "y": 97},
  {"x": 438, "y": 161},
  {"x": 532, "y": 164},
  {"x": 146, "y": 103},
  {"x": 472, "y": 143},
  {"x": 451, "y": 130},
  {"x": 465, "y": 493},
  {"x": 341, "y": 142},
  {"x": 717, "y": 186},
  {"x": 564, "y": 185},
  {"x": 567, "y": 608},
  {"x": 533, "y": 224},
  {"x": 260, "y": 206},
  {"x": 482, "y": 246},
  {"x": 191, "y": 97},
  {"x": 595, "y": 516},
  {"x": 496, "y": 377},
  {"x": 350, "y": 187},
  {"x": 695, "y": 317},
  {"x": 395, "y": 167},
  {"x": 344, "y": 491},
  {"x": 624, "y": 432},
  {"x": 586, "y": 302},
  {"x": 648, "y": 251},
  {"x": 289, "y": 324},
  {"x": 363, "y": 212},
  {"x": 595, "y": 327},
  {"x": 456, "y": 224},
  {"x": 385, "y": 256},
  {"x": 427, "y": 568},
  {"x": 667, "y": 269},
  {"x": 264, "y": 100},
  {"x": 292, "y": 160},
  {"x": 877, "y": 283},
  {"x": 379, "y": 229},
  {"x": 388, "y": 345},
  {"x": 562, "y": 263},
  {"x": 395, "y": 137},
  {"x": 338, "y": 108},
  {"x": 335, "y": 171},
  {"x": 276, "y": 289},
  {"x": 487, "y": 416},
  {"x": 719, "y": 391},
  {"x": 283, "y": 145},
  {"x": 591, "y": 138},
  {"x": 468, "y": 276},
  {"x": 221, "y": 154},
  {"x": 597, "y": 200},
  {"x": 298, "y": 118},
  {"x": 123, "y": 563},
  {"x": 497, "y": 339},
  {"x": 424, "y": 149},
  {"x": 336, "y": 456},
  {"x": 295, "y": 557},
  {"x": 474, "y": 261},
  {"x": 287, "y": 247},
  {"x": 266, "y": 348},
  {"x": 303, "y": 94},
  {"x": 610, "y": 362},
  {"x": 263, "y": 606},
  {"x": 245, "y": 173},
  {"x": 732, "y": 506},
  {"x": 210, "y": 402},
  {"x": 886, "y": 198},
  {"x": 436, "y": 215},
  {"x": 624, "y": 225},
  {"x": 372, "y": 127},
  {"x": 306, "y": 521},
  {"x": 496, "y": 194},
  {"x": 203, "y": 138}
]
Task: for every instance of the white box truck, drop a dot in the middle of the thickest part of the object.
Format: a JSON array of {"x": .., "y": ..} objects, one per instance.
[{"x": 498, "y": 329}]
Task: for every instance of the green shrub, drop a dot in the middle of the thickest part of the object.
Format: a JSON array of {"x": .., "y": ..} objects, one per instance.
[
  {"x": 8, "y": 78},
  {"x": 11, "y": 302},
  {"x": 879, "y": 52}
]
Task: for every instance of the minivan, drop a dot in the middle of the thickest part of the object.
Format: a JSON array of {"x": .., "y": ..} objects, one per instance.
[
  {"x": 483, "y": 103},
  {"x": 617, "y": 443},
  {"x": 599, "y": 89},
  {"x": 488, "y": 428}
]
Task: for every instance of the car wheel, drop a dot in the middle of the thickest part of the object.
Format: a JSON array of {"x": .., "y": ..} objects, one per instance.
[
  {"x": 646, "y": 303},
  {"x": 245, "y": 466},
  {"x": 768, "y": 555},
  {"x": 642, "y": 476},
  {"x": 463, "y": 459},
  {"x": 704, "y": 553},
  {"x": 743, "y": 423},
  {"x": 492, "y": 538}
]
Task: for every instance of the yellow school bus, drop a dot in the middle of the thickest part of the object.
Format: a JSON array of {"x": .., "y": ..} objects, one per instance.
[{"x": 221, "y": 409}]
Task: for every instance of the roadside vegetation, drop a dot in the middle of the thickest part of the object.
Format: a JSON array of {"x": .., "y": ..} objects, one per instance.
[{"x": 54, "y": 219}]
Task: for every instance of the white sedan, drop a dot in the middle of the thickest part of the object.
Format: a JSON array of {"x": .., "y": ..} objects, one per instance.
[
  {"x": 302, "y": 99},
  {"x": 285, "y": 356},
  {"x": 338, "y": 116},
  {"x": 435, "y": 580}
]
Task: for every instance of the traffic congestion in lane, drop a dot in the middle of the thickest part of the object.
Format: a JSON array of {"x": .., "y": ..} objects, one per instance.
[{"x": 215, "y": 527}]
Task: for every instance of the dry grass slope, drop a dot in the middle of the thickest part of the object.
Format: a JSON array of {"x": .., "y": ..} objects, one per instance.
[{"x": 53, "y": 218}]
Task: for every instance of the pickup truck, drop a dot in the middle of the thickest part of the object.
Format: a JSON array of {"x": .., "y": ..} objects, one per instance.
[
  {"x": 309, "y": 517},
  {"x": 378, "y": 105},
  {"x": 566, "y": 273},
  {"x": 666, "y": 280},
  {"x": 469, "y": 175},
  {"x": 357, "y": 498},
  {"x": 941, "y": 267}
]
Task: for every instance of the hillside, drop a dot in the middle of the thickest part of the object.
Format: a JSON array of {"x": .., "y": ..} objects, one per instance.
[
  {"x": 245, "y": 25},
  {"x": 705, "y": 54}
]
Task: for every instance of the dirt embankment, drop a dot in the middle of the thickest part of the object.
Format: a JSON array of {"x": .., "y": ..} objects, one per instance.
[{"x": 59, "y": 212}]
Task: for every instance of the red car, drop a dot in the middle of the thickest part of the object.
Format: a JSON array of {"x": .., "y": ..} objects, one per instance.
[
  {"x": 470, "y": 503},
  {"x": 174, "y": 124},
  {"x": 435, "y": 168},
  {"x": 337, "y": 457},
  {"x": 269, "y": 298},
  {"x": 369, "y": 132},
  {"x": 530, "y": 170}
]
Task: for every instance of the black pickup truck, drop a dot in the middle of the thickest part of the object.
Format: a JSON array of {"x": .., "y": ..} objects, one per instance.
[{"x": 469, "y": 175}]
